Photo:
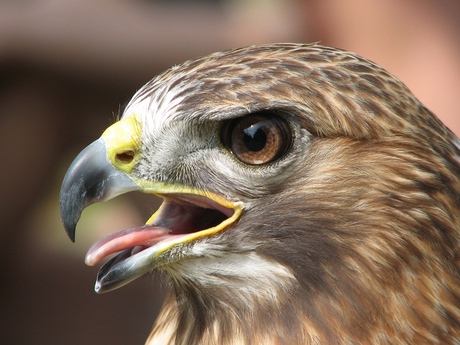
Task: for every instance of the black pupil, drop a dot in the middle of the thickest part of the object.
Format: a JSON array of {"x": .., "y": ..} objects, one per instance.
[{"x": 254, "y": 138}]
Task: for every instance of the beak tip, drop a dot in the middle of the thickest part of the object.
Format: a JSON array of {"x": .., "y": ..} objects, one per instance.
[
  {"x": 70, "y": 230},
  {"x": 70, "y": 214},
  {"x": 72, "y": 238}
]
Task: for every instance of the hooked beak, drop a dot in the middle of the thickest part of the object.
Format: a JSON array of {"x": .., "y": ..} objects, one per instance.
[
  {"x": 90, "y": 179},
  {"x": 104, "y": 170}
]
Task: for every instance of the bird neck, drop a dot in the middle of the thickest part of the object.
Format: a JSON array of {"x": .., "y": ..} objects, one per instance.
[
  {"x": 211, "y": 305},
  {"x": 268, "y": 303}
]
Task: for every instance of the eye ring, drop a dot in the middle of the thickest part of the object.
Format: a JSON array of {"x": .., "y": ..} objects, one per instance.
[{"x": 258, "y": 138}]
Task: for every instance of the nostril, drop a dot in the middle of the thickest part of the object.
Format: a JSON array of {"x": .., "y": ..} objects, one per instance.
[{"x": 125, "y": 157}]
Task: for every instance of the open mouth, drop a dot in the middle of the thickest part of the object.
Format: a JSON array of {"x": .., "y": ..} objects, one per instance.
[
  {"x": 181, "y": 218},
  {"x": 101, "y": 172}
]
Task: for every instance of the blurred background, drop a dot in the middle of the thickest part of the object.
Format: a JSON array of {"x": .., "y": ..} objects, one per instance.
[{"x": 67, "y": 68}]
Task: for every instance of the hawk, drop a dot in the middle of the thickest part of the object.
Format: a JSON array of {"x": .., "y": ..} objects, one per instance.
[{"x": 308, "y": 198}]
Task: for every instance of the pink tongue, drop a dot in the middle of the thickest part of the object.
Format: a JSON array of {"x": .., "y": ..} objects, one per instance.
[{"x": 143, "y": 236}]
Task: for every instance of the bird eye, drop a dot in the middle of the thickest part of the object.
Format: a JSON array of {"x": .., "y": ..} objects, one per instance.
[{"x": 257, "y": 138}]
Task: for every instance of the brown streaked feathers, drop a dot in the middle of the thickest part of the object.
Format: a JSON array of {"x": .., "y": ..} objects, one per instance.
[
  {"x": 369, "y": 221},
  {"x": 351, "y": 238}
]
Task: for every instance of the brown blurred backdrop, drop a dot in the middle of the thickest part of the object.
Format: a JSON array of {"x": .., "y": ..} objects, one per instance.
[{"x": 67, "y": 68}]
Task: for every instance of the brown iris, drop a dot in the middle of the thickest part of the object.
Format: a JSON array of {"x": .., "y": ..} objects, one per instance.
[{"x": 257, "y": 138}]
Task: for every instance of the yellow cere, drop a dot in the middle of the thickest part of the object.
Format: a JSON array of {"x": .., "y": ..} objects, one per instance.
[{"x": 122, "y": 141}]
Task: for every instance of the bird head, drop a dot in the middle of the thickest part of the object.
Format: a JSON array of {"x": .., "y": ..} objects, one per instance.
[{"x": 296, "y": 176}]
